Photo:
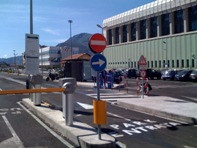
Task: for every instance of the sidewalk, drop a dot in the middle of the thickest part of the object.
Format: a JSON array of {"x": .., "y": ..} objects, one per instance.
[{"x": 162, "y": 106}]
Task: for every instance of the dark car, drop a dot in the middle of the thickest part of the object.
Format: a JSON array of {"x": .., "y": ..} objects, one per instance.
[
  {"x": 151, "y": 74},
  {"x": 131, "y": 73},
  {"x": 118, "y": 76},
  {"x": 193, "y": 75},
  {"x": 169, "y": 74},
  {"x": 183, "y": 75}
]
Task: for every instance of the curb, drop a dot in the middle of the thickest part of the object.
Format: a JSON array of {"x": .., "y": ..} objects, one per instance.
[{"x": 158, "y": 113}]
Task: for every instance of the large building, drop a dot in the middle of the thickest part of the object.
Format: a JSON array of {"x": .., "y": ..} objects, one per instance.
[
  {"x": 50, "y": 56},
  {"x": 164, "y": 31}
]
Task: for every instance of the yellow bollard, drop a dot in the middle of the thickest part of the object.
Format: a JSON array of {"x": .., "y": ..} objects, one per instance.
[{"x": 100, "y": 114}]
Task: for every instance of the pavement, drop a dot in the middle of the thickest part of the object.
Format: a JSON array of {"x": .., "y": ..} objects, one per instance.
[
  {"x": 161, "y": 106},
  {"x": 85, "y": 136}
]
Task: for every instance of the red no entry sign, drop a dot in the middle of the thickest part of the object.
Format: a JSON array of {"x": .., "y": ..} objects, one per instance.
[{"x": 97, "y": 43}]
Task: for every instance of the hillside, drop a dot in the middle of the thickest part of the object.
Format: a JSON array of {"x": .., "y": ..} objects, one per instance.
[{"x": 81, "y": 41}]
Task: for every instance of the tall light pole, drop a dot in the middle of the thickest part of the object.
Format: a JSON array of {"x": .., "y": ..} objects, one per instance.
[
  {"x": 70, "y": 21},
  {"x": 14, "y": 59},
  {"x": 31, "y": 17},
  {"x": 100, "y": 27},
  {"x": 166, "y": 61}
]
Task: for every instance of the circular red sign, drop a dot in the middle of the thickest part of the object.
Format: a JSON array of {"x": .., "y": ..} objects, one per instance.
[
  {"x": 143, "y": 73},
  {"x": 97, "y": 43}
]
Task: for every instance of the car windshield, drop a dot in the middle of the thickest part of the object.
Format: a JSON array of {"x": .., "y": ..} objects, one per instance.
[
  {"x": 194, "y": 72},
  {"x": 183, "y": 72}
]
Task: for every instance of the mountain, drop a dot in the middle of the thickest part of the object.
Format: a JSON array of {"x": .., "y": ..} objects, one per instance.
[
  {"x": 81, "y": 41},
  {"x": 19, "y": 60}
]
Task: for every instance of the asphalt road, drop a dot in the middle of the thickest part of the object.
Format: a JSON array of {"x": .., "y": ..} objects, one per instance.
[
  {"x": 130, "y": 128},
  {"x": 19, "y": 128}
]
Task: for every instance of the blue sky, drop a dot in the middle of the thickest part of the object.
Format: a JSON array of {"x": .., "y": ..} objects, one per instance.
[{"x": 50, "y": 20}]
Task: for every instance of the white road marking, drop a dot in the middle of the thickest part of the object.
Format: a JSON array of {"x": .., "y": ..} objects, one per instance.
[
  {"x": 190, "y": 98},
  {"x": 86, "y": 106},
  {"x": 185, "y": 146},
  {"x": 16, "y": 138},
  {"x": 47, "y": 128}
]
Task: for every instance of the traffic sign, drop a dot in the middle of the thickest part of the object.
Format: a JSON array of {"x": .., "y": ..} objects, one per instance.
[
  {"x": 98, "y": 62},
  {"x": 142, "y": 63},
  {"x": 97, "y": 43},
  {"x": 142, "y": 60},
  {"x": 143, "y": 73}
]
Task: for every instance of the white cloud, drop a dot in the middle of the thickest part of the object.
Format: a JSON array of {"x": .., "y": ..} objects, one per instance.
[
  {"x": 53, "y": 42},
  {"x": 51, "y": 31},
  {"x": 5, "y": 56}
]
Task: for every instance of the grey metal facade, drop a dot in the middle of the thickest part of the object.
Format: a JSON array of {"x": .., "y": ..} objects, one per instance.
[{"x": 165, "y": 32}]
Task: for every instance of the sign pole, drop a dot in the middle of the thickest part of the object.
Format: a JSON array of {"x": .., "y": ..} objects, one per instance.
[
  {"x": 142, "y": 88},
  {"x": 98, "y": 98},
  {"x": 97, "y": 44}
]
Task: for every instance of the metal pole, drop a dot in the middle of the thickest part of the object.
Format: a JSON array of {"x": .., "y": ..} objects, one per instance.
[
  {"x": 100, "y": 27},
  {"x": 70, "y": 21},
  {"x": 41, "y": 60},
  {"x": 31, "y": 17},
  {"x": 166, "y": 63},
  {"x": 98, "y": 97}
]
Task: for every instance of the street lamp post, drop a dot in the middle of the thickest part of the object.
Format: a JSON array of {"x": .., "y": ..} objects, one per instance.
[
  {"x": 70, "y": 21},
  {"x": 31, "y": 17},
  {"x": 166, "y": 61},
  {"x": 14, "y": 59},
  {"x": 100, "y": 27}
]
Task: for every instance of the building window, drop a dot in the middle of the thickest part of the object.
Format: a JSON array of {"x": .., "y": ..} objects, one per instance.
[
  {"x": 110, "y": 37},
  {"x": 163, "y": 63},
  {"x": 131, "y": 64},
  {"x": 142, "y": 29},
  {"x": 134, "y": 64},
  {"x": 156, "y": 64},
  {"x": 187, "y": 62},
  {"x": 148, "y": 64},
  {"x": 192, "y": 18},
  {"x": 151, "y": 63},
  {"x": 177, "y": 63},
  {"x": 116, "y": 35},
  {"x": 165, "y": 24},
  {"x": 172, "y": 63},
  {"x": 124, "y": 29},
  {"x": 153, "y": 27},
  {"x": 182, "y": 63},
  {"x": 159, "y": 64},
  {"x": 168, "y": 63},
  {"x": 192, "y": 62},
  {"x": 133, "y": 31},
  {"x": 178, "y": 19}
]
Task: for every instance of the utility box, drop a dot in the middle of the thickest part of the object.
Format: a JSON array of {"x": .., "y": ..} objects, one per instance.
[{"x": 80, "y": 70}]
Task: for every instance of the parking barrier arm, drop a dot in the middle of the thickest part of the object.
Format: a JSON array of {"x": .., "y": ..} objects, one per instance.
[{"x": 23, "y": 91}]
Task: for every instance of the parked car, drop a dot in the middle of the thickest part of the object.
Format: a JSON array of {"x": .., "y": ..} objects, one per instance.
[
  {"x": 131, "y": 73},
  {"x": 169, "y": 74},
  {"x": 183, "y": 75},
  {"x": 118, "y": 76},
  {"x": 193, "y": 75}
]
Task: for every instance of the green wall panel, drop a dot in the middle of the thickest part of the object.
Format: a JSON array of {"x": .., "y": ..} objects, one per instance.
[{"x": 179, "y": 47}]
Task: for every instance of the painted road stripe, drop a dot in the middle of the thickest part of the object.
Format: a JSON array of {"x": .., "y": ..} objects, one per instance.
[
  {"x": 86, "y": 106},
  {"x": 97, "y": 42},
  {"x": 47, "y": 128},
  {"x": 190, "y": 98},
  {"x": 16, "y": 138}
]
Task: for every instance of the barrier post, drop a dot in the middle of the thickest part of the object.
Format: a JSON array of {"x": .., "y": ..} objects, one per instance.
[
  {"x": 36, "y": 81},
  {"x": 67, "y": 98}
]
